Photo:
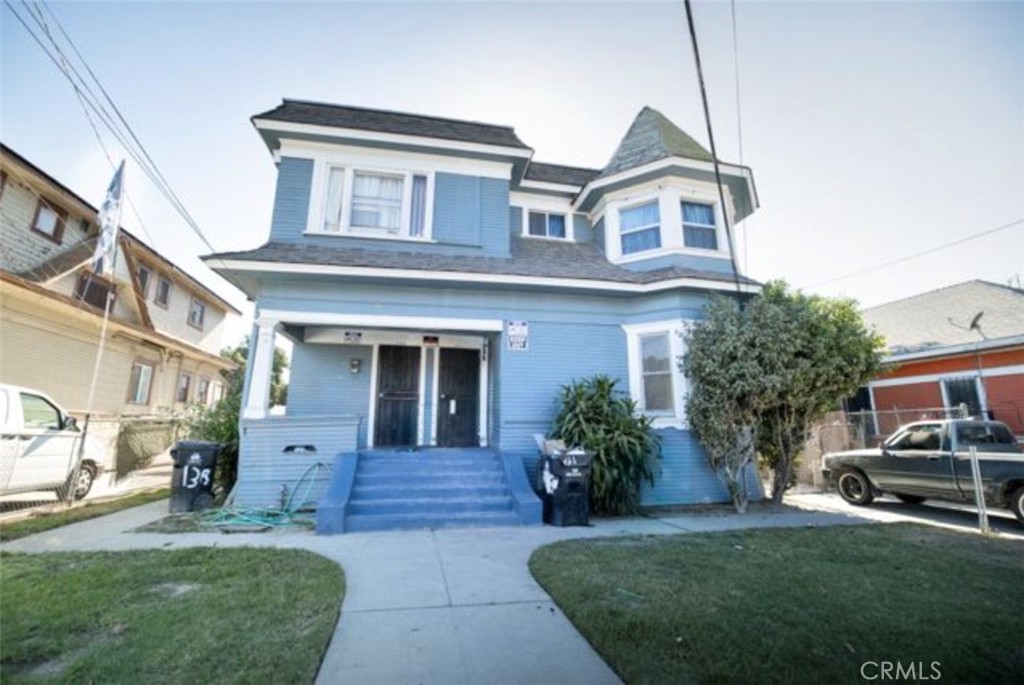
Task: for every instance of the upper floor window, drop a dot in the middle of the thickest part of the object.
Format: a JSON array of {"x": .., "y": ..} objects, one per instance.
[
  {"x": 699, "y": 229},
  {"x": 94, "y": 290},
  {"x": 640, "y": 228},
  {"x": 375, "y": 203},
  {"x": 196, "y": 313},
  {"x": 144, "y": 275},
  {"x": 162, "y": 296},
  {"x": 546, "y": 225},
  {"x": 49, "y": 221},
  {"x": 203, "y": 393}
]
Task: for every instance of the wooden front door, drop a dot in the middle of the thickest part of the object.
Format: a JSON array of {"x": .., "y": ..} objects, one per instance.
[
  {"x": 398, "y": 394},
  {"x": 458, "y": 406}
]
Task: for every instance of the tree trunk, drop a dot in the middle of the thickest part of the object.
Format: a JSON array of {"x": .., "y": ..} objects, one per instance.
[{"x": 780, "y": 478}]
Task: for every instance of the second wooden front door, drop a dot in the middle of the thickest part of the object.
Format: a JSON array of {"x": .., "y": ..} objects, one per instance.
[{"x": 458, "y": 406}]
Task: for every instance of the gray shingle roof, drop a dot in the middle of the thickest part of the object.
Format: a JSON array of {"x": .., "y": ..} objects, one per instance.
[
  {"x": 923, "y": 321},
  {"x": 652, "y": 137},
  {"x": 558, "y": 173},
  {"x": 384, "y": 121},
  {"x": 529, "y": 257}
]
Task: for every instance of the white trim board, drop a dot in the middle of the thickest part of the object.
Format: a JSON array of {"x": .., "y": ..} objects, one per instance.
[
  {"x": 421, "y": 323},
  {"x": 462, "y": 277},
  {"x": 947, "y": 375},
  {"x": 285, "y": 127}
]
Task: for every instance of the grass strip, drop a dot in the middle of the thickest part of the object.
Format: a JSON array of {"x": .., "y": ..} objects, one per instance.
[
  {"x": 47, "y": 520},
  {"x": 167, "y": 616},
  {"x": 795, "y": 605}
]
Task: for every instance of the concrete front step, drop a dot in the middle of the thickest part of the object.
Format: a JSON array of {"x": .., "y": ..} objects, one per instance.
[
  {"x": 364, "y": 523},
  {"x": 421, "y": 491},
  {"x": 447, "y": 478},
  {"x": 431, "y": 506},
  {"x": 428, "y": 467}
]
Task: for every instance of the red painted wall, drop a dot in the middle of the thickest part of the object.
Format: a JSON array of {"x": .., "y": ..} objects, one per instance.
[
  {"x": 906, "y": 398},
  {"x": 1006, "y": 400}
]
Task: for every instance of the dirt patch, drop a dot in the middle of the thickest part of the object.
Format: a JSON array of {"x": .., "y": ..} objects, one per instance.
[{"x": 175, "y": 523}]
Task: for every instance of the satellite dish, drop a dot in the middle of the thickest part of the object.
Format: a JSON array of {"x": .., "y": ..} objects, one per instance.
[{"x": 975, "y": 320}]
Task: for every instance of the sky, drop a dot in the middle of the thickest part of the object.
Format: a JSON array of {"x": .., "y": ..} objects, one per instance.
[{"x": 875, "y": 131}]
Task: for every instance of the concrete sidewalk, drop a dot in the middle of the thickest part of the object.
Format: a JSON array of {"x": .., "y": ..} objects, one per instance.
[{"x": 444, "y": 606}]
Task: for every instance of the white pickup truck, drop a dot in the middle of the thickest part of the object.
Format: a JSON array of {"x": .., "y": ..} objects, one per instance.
[{"x": 39, "y": 444}]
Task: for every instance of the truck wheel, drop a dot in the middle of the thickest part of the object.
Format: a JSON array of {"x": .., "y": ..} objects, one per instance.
[
  {"x": 86, "y": 476},
  {"x": 910, "y": 499},
  {"x": 854, "y": 487},
  {"x": 1017, "y": 504}
]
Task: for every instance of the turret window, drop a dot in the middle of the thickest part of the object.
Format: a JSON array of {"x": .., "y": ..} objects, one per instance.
[{"x": 640, "y": 228}]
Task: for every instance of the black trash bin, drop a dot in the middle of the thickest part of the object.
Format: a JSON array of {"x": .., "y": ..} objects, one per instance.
[
  {"x": 192, "y": 482},
  {"x": 563, "y": 480}
]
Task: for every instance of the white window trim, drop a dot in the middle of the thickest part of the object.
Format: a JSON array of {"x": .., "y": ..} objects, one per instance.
[
  {"x": 673, "y": 328},
  {"x": 670, "y": 195},
  {"x": 569, "y": 237},
  {"x": 717, "y": 227},
  {"x": 318, "y": 200}
]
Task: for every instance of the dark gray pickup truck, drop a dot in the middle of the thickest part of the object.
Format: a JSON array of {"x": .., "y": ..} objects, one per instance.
[{"x": 930, "y": 460}]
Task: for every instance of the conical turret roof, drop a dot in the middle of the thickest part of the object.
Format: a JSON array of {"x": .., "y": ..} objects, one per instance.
[{"x": 652, "y": 137}]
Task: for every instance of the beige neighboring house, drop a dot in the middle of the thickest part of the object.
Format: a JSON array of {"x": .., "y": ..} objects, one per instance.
[{"x": 165, "y": 330}]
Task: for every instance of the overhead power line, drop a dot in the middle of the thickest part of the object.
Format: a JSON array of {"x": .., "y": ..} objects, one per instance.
[
  {"x": 114, "y": 122},
  {"x": 907, "y": 258}
]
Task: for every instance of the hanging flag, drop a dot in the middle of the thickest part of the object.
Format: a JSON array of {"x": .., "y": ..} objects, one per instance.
[{"x": 109, "y": 218}]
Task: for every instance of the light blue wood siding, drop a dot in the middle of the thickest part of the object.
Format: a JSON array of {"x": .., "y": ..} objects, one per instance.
[
  {"x": 321, "y": 382},
  {"x": 717, "y": 264},
  {"x": 582, "y": 232},
  {"x": 291, "y": 200},
  {"x": 515, "y": 222},
  {"x": 472, "y": 212}
]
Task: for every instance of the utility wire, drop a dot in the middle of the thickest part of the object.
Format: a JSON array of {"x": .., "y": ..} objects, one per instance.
[
  {"x": 739, "y": 123},
  {"x": 973, "y": 236},
  {"x": 140, "y": 155},
  {"x": 714, "y": 153}
]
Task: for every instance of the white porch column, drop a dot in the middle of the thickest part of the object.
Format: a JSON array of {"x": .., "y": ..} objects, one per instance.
[{"x": 257, "y": 404}]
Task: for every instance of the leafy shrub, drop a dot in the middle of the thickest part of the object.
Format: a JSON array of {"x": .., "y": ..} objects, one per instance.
[{"x": 604, "y": 421}]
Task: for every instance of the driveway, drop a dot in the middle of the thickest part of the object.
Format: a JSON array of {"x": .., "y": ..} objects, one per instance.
[{"x": 891, "y": 510}]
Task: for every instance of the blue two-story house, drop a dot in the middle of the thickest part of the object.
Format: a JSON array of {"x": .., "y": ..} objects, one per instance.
[{"x": 439, "y": 287}]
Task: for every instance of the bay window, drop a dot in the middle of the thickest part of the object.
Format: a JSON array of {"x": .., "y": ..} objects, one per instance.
[
  {"x": 699, "y": 229},
  {"x": 640, "y": 228}
]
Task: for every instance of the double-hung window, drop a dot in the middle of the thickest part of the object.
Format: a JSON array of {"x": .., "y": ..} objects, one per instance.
[
  {"x": 374, "y": 202},
  {"x": 184, "y": 383},
  {"x": 49, "y": 221},
  {"x": 699, "y": 229},
  {"x": 656, "y": 381},
  {"x": 196, "y": 313},
  {"x": 546, "y": 225},
  {"x": 144, "y": 275},
  {"x": 640, "y": 228}
]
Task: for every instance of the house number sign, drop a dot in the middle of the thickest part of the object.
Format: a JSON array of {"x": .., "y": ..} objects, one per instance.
[
  {"x": 192, "y": 475},
  {"x": 518, "y": 333}
]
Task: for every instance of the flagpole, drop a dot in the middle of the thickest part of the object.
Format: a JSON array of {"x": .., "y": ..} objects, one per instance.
[{"x": 104, "y": 221}]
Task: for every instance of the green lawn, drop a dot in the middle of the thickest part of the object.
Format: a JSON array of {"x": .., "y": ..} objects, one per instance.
[
  {"x": 46, "y": 520},
  {"x": 183, "y": 616},
  {"x": 795, "y": 606}
]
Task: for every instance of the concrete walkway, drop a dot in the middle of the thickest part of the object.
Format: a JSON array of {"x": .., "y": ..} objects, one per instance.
[{"x": 433, "y": 607}]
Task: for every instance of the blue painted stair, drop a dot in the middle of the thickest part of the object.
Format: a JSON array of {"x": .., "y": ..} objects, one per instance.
[{"x": 426, "y": 489}]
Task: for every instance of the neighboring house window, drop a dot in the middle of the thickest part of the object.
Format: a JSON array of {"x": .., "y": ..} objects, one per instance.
[
  {"x": 184, "y": 380},
  {"x": 140, "y": 383},
  {"x": 545, "y": 225},
  {"x": 374, "y": 202},
  {"x": 656, "y": 382},
  {"x": 93, "y": 290},
  {"x": 656, "y": 370},
  {"x": 144, "y": 275},
  {"x": 163, "y": 292},
  {"x": 203, "y": 391},
  {"x": 49, "y": 221},
  {"x": 3, "y": 182},
  {"x": 216, "y": 393},
  {"x": 640, "y": 228},
  {"x": 196, "y": 313},
  {"x": 699, "y": 228}
]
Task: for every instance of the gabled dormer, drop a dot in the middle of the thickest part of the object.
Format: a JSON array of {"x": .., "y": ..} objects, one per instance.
[
  {"x": 656, "y": 203},
  {"x": 389, "y": 180}
]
